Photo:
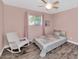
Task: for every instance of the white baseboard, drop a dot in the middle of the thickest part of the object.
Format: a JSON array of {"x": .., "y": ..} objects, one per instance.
[{"x": 72, "y": 42}]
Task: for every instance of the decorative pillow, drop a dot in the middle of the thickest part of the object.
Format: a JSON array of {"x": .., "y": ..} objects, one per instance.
[
  {"x": 63, "y": 34},
  {"x": 59, "y": 33}
]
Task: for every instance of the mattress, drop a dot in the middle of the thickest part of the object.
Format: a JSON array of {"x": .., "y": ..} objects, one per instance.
[
  {"x": 46, "y": 44},
  {"x": 48, "y": 39}
]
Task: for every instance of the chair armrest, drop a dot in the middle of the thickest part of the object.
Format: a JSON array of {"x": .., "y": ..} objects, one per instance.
[{"x": 24, "y": 39}]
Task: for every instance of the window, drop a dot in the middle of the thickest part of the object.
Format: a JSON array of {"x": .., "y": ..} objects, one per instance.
[{"x": 35, "y": 20}]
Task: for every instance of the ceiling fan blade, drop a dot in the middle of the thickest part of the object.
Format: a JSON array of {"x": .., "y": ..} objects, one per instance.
[
  {"x": 56, "y": 7},
  {"x": 44, "y": 1},
  {"x": 57, "y": 2}
]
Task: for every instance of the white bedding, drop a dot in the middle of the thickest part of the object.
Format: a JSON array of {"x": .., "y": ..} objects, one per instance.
[{"x": 46, "y": 44}]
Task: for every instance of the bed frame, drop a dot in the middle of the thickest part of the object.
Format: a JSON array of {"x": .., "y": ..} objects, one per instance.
[{"x": 49, "y": 45}]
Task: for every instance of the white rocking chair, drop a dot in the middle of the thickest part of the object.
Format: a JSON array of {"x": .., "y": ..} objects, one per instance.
[{"x": 15, "y": 42}]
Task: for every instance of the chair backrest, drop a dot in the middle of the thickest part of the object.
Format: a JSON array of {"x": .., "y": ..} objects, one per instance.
[
  {"x": 12, "y": 36},
  {"x": 13, "y": 39}
]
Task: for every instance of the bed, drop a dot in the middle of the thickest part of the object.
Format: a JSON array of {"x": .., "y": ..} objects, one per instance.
[{"x": 48, "y": 43}]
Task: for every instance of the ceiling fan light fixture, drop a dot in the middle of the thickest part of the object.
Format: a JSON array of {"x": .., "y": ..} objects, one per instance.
[{"x": 48, "y": 6}]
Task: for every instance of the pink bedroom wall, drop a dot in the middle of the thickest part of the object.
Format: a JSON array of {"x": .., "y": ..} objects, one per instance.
[
  {"x": 14, "y": 21},
  {"x": 49, "y": 28},
  {"x": 67, "y": 21},
  {"x": 36, "y": 31},
  {"x": 1, "y": 25}
]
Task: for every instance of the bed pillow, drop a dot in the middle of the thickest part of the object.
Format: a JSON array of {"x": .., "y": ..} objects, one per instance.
[
  {"x": 59, "y": 33},
  {"x": 63, "y": 34}
]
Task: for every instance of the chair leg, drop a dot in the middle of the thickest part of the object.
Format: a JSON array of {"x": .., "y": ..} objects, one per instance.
[
  {"x": 28, "y": 44},
  {"x": 19, "y": 49}
]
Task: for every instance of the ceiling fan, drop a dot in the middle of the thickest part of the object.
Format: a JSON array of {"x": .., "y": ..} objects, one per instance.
[{"x": 50, "y": 5}]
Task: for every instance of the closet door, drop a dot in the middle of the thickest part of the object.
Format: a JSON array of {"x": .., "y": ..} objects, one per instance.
[{"x": 34, "y": 26}]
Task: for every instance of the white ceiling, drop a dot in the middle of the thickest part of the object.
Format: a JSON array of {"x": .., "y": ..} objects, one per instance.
[{"x": 33, "y": 5}]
